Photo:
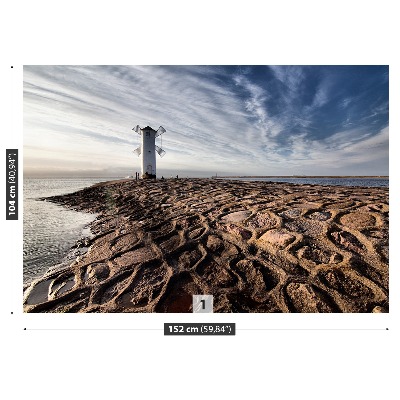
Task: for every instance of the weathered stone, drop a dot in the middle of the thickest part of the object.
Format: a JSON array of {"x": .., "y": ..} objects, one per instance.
[
  {"x": 277, "y": 237},
  {"x": 145, "y": 257},
  {"x": 236, "y": 217},
  {"x": 347, "y": 240},
  {"x": 135, "y": 257},
  {"x": 214, "y": 243},
  {"x": 97, "y": 271},
  {"x": 358, "y": 220},
  {"x": 379, "y": 309},
  {"x": 303, "y": 298}
]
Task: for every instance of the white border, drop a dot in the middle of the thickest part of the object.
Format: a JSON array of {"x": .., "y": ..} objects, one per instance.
[{"x": 281, "y": 363}]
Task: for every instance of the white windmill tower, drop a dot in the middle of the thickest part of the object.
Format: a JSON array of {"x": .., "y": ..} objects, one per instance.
[{"x": 148, "y": 149}]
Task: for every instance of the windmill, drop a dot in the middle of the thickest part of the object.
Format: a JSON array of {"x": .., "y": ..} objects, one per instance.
[{"x": 148, "y": 149}]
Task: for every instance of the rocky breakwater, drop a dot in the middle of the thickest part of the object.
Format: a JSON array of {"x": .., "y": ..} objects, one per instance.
[{"x": 255, "y": 246}]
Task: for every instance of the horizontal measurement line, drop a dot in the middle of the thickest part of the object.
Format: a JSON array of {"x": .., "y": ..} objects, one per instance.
[
  {"x": 92, "y": 329},
  {"x": 312, "y": 329}
]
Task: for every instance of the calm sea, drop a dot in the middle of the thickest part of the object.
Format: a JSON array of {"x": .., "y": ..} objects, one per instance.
[
  {"x": 49, "y": 229},
  {"x": 353, "y": 181}
]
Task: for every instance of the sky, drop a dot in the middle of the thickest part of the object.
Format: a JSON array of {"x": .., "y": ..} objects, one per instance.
[{"x": 224, "y": 120}]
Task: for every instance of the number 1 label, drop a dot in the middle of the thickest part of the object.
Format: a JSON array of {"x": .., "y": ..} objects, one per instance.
[{"x": 202, "y": 303}]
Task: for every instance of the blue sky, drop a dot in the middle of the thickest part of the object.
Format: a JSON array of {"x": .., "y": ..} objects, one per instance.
[{"x": 230, "y": 120}]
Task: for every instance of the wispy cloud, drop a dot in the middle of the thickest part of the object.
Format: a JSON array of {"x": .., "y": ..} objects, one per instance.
[{"x": 218, "y": 119}]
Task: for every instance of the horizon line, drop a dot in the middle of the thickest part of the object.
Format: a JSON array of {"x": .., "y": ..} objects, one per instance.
[{"x": 216, "y": 176}]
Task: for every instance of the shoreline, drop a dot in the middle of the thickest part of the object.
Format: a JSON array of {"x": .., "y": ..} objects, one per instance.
[
  {"x": 256, "y": 246},
  {"x": 50, "y": 230}
]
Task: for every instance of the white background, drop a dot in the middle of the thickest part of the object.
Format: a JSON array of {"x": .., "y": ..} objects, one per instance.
[{"x": 126, "y": 355}]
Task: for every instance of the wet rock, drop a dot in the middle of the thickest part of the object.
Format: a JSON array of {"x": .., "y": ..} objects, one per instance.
[
  {"x": 38, "y": 292},
  {"x": 83, "y": 242}
]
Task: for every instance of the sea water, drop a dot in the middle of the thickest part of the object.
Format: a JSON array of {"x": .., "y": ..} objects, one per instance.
[
  {"x": 350, "y": 181},
  {"x": 50, "y": 230}
]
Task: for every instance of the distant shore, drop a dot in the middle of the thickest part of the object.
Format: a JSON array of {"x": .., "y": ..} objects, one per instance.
[{"x": 255, "y": 246}]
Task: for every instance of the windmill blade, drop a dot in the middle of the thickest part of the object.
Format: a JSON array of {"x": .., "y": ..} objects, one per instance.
[
  {"x": 160, "y": 131},
  {"x": 137, "y": 129},
  {"x": 160, "y": 151},
  {"x": 138, "y": 151}
]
